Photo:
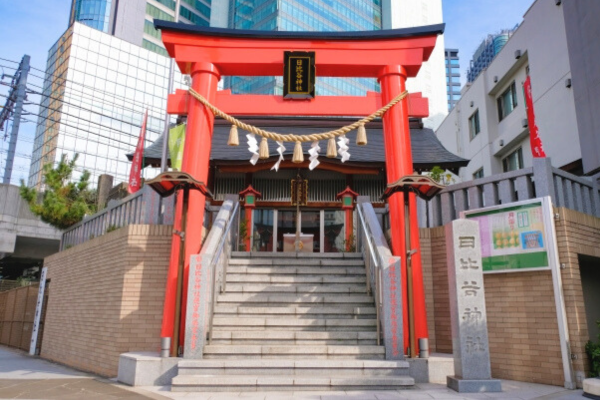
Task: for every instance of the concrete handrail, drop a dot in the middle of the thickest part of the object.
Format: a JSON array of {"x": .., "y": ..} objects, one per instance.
[
  {"x": 141, "y": 207},
  {"x": 375, "y": 250},
  {"x": 219, "y": 243}
]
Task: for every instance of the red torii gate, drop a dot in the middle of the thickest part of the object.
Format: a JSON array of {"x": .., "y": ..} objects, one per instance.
[{"x": 391, "y": 56}]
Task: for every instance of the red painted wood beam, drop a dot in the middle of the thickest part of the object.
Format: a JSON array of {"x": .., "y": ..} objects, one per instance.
[
  {"x": 264, "y": 57},
  {"x": 247, "y": 104}
]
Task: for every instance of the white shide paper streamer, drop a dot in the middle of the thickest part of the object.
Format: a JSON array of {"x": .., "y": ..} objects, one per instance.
[
  {"x": 253, "y": 148},
  {"x": 280, "y": 150},
  {"x": 343, "y": 148},
  {"x": 314, "y": 154}
]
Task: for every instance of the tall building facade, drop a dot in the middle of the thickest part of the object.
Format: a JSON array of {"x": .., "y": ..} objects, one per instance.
[
  {"x": 487, "y": 51},
  {"x": 95, "y": 94},
  {"x": 452, "y": 65},
  {"x": 132, "y": 20},
  {"x": 489, "y": 125}
]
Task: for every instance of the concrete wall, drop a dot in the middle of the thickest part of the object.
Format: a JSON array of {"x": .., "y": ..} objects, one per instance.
[
  {"x": 106, "y": 298},
  {"x": 129, "y": 24},
  {"x": 583, "y": 30},
  {"x": 16, "y": 220},
  {"x": 542, "y": 40},
  {"x": 522, "y": 324}
]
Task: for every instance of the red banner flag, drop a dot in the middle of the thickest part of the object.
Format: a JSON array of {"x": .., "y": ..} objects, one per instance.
[
  {"x": 135, "y": 175},
  {"x": 537, "y": 149}
]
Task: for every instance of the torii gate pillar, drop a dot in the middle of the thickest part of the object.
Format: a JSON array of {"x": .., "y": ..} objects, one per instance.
[
  {"x": 196, "y": 158},
  {"x": 399, "y": 163}
]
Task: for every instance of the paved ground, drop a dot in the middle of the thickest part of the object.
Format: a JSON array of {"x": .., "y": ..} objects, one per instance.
[{"x": 24, "y": 377}]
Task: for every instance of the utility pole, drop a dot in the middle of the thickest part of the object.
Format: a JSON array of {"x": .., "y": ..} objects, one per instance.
[{"x": 14, "y": 108}]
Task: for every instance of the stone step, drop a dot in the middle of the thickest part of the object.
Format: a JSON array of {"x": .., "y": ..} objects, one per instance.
[
  {"x": 340, "y": 311},
  {"x": 250, "y": 383},
  {"x": 296, "y": 270},
  {"x": 304, "y": 262},
  {"x": 288, "y": 337},
  {"x": 294, "y": 367},
  {"x": 295, "y": 288},
  {"x": 263, "y": 255},
  {"x": 224, "y": 323},
  {"x": 292, "y": 279},
  {"x": 213, "y": 351},
  {"x": 250, "y": 299}
]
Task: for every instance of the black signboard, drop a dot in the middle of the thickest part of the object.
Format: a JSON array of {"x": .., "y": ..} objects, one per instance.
[{"x": 299, "y": 75}]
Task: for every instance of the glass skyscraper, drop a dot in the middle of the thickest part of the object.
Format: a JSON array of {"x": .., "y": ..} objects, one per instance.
[
  {"x": 304, "y": 15},
  {"x": 487, "y": 51},
  {"x": 133, "y": 20},
  {"x": 452, "y": 65},
  {"x": 93, "y": 13},
  {"x": 96, "y": 91}
]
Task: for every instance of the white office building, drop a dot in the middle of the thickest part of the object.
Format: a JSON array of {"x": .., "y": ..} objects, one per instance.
[{"x": 557, "y": 46}]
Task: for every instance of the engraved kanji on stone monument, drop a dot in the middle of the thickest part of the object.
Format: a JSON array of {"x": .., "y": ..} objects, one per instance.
[{"x": 467, "y": 310}]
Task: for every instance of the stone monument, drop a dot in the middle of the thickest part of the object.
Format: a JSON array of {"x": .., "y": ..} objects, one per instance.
[{"x": 467, "y": 310}]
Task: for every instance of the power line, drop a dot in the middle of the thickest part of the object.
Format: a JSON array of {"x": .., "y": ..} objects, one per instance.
[
  {"x": 116, "y": 96},
  {"x": 87, "y": 109},
  {"x": 82, "y": 130},
  {"x": 81, "y": 91}
]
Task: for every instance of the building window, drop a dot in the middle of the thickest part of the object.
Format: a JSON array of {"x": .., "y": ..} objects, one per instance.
[
  {"x": 474, "y": 127},
  {"x": 478, "y": 174},
  {"x": 513, "y": 161},
  {"x": 507, "y": 101}
]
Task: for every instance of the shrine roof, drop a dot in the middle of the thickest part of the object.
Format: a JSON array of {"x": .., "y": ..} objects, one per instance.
[
  {"x": 427, "y": 150},
  {"x": 381, "y": 34}
]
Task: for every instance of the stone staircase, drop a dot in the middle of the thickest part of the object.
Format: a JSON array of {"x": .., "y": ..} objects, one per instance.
[{"x": 293, "y": 322}]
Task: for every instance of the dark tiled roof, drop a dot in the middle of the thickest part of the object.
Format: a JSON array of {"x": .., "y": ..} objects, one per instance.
[
  {"x": 426, "y": 148},
  {"x": 352, "y": 35}
]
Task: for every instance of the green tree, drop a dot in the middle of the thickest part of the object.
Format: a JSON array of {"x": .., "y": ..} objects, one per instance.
[{"x": 64, "y": 203}]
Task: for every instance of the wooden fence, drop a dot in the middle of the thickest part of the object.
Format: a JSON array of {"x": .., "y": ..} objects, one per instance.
[{"x": 17, "y": 311}]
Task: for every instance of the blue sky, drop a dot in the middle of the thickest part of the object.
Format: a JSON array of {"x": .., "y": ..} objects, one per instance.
[
  {"x": 27, "y": 27},
  {"x": 468, "y": 22},
  {"x": 32, "y": 26}
]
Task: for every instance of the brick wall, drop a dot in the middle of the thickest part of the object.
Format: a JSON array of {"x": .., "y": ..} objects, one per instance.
[
  {"x": 106, "y": 298},
  {"x": 522, "y": 327},
  {"x": 522, "y": 324},
  {"x": 576, "y": 233}
]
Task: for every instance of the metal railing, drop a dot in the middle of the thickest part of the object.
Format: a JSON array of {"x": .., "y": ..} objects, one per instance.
[
  {"x": 369, "y": 239},
  {"x": 221, "y": 241},
  {"x": 141, "y": 207}
]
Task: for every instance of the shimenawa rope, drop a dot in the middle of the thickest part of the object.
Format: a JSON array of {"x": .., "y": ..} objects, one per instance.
[{"x": 298, "y": 138}]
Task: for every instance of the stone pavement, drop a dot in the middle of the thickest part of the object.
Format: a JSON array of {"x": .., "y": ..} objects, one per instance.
[{"x": 25, "y": 377}]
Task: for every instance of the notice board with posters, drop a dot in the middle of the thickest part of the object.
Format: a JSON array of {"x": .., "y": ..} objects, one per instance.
[{"x": 516, "y": 237}]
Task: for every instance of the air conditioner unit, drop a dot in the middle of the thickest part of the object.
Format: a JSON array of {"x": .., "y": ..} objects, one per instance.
[
  {"x": 517, "y": 54},
  {"x": 524, "y": 123}
]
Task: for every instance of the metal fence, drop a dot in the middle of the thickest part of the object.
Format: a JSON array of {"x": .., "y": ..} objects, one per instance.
[
  {"x": 566, "y": 190},
  {"x": 142, "y": 207}
]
